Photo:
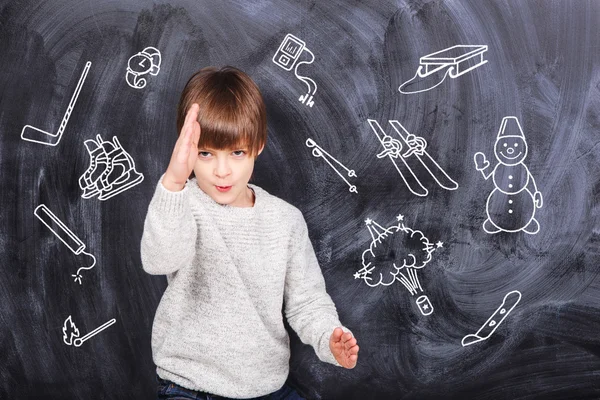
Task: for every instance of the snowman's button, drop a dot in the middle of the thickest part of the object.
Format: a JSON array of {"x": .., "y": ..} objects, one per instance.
[
  {"x": 510, "y": 211},
  {"x": 510, "y": 202},
  {"x": 510, "y": 177},
  {"x": 510, "y": 185}
]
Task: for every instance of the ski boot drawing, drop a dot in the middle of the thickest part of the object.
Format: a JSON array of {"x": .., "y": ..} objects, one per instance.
[{"x": 111, "y": 171}]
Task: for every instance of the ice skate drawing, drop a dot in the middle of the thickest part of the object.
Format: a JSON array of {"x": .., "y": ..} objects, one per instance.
[
  {"x": 65, "y": 235},
  {"x": 286, "y": 56},
  {"x": 32, "y": 134},
  {"x": 145, "y": 62},
  {"x": 396, "y": 254},
  {"x": 454, "y": 61},
  {"x": 510, "y": 301},
  {"x": 71, "y": 333},
  {"x": 111, "y": 170},
  {"x": 408, "y": 153},
  {"x": 317, "y": 151},
  {"x": 512, "y": 204}
]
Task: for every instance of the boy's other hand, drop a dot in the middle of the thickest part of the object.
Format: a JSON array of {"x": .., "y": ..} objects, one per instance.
[
  {"x": 344, "y": 348},
  {"x": 185, "y": 152}
]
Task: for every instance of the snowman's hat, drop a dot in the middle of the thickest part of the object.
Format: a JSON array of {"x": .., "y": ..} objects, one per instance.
[{"x": 510, "y": 127}]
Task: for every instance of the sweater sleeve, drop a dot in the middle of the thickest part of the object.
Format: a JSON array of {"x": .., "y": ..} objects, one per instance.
[
  {"x": 308, "y": 308},
  {"x": 169, "y": 237}
]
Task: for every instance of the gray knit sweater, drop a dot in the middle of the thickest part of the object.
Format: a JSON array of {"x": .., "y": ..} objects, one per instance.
[{"x": 232, "y": 272}]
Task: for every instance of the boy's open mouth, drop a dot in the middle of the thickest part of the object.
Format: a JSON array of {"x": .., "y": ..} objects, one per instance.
[{"x": 223, "y": 188}]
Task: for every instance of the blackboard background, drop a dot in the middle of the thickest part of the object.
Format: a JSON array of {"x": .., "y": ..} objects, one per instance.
[{"x": 543, "y": 68}]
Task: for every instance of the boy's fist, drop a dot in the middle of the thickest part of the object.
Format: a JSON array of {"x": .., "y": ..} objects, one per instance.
[
  {"x": 344, "y": 348},
  {"x": 185, "y": 152}
]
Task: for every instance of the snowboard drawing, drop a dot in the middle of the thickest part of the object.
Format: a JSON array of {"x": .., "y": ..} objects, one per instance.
[
  {"x": 511, "y": 206},
  {"x": 407, "y": 154},
  {"x": 510, "y": 301}
]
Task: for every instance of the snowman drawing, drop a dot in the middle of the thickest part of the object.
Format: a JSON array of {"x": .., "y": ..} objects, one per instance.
[{"x": 512, "y": 204}]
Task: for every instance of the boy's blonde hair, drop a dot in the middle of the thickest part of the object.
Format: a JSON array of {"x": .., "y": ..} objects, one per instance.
[{"x": 232, "y": 112}]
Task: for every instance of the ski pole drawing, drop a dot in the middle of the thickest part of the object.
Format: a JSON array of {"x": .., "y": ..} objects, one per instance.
[
  {"x": 396, "y": 254},
  {"x": 318, "y": 151},
  {"x": 404, "y": 152},
  {"x": 71, "y": 332},
  {"x": 145, "y": 62},
  {"x": 455, "y": 61},
  {"x": 510, "y": 301},
  {"x": 32, "y": 134},
  {"x": 512, "y": 204},
  {"x": 111, "y": 170},
  {"x": 66, "y": 236},
  {"x": 286, "y": 56}
]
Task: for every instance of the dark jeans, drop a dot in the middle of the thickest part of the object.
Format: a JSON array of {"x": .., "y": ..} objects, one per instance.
[{"x": 170, "y": 390}]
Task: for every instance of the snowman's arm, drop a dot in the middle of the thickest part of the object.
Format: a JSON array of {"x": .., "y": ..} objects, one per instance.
[
  {"x": 482, "y": 164},
  {"x": 490, "y": 172},
  {"x": 531, "y": 181}
]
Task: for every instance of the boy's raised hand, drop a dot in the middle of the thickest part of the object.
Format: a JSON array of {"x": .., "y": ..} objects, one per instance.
[
  {"x": 344, "y": 348},
  {"x": 185, "y": 152}
]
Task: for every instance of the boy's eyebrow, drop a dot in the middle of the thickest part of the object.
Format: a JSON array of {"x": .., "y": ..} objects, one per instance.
[{"x": 243, "y": 147}]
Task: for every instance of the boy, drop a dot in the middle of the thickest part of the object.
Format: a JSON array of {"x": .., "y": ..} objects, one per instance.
[{"x": 233, "y": 255}]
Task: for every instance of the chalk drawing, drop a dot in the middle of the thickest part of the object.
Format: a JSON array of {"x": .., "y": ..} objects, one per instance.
[
  {"x": 146, "y": 62},
  {"x": 71, "y": 332},
  {"x": 111, "y": 170},
  {"x": 455, "y": 61},
  {"x": 403, "y": 151},
  {"x": 511, "y": 206},
  {"x": 510, "y": 301},
  {"x": 36, "y": 135},
  {"x": 396, "y": 254},
  {"x": 286, "y": 57},
  {"x": 318, "y": 151}
]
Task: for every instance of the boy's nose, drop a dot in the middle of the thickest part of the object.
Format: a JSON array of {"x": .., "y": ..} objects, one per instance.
[{"x": 222, "y": 170}]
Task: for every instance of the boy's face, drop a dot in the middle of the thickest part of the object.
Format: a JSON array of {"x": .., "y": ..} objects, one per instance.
[{"x": 224, "y": 175}]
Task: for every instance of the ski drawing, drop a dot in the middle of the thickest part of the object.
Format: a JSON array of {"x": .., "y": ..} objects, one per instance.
[{"x": 411, "y": 153}]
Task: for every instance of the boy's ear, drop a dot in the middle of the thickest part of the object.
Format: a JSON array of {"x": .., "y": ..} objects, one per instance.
[{"x": 260, "y": 151}]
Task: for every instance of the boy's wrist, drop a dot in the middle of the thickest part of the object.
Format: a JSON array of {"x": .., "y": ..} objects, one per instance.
[{"x": 171, "y": 185}]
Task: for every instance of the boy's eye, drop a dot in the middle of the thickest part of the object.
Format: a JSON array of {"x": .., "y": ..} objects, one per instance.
[
  {"x": 239, "y": 153},
  {"x": 203, "y": 153}
]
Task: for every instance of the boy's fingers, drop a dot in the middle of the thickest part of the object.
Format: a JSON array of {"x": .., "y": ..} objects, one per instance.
[
  {"x": 183, "y": 145},
  {"x": 196, "y": 133},
  {"x": 337, "y": 334},
  {"x": 183, "y": 154},
  {"x": 192, "y": 114},
  {"x": 189, "y": 117}
]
